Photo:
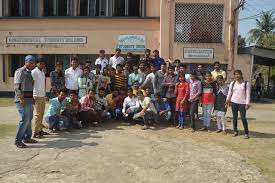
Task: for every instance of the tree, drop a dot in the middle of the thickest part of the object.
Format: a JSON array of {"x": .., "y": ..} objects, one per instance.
[
  {"x": 268, "y": 41},
  {"x": 241, "y": 42},
  {"x": 265, "y": 26}
]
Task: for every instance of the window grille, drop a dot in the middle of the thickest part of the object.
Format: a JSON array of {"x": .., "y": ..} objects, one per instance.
[{"x": 199, "y": 23}]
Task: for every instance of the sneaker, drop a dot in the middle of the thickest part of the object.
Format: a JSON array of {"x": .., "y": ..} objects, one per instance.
[
  {"x": 181, "y": 127},
  {"x": 235, "y": 134},
  {"x": 21, "y": 145},
  {"x": 30, "y": 141},
  {"x": 246, "y": 136},
  {"x": 218, "y": 131}
]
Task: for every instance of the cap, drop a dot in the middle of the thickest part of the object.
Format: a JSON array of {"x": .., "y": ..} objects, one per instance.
[{"x": 29, "y": 58}]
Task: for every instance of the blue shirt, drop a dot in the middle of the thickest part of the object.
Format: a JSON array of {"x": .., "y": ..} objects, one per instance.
[
  {"x": 157, "y": 62},
  {"x": 55, "y": 106},
  {"x": 162, "y": 105}
]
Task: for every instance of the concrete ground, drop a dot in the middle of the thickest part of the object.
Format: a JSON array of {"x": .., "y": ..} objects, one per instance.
[{"x": 117, "y": 152}]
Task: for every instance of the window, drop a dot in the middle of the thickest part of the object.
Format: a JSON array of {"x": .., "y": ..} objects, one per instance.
[
  {"x": 92, "y": 7},
  {"x": 57, "y": 7},
  {"x": 21, "y": 8},
  {"x": 16, "y": 61},
  {"x": 199, "y": 23},
  {"x": 127, "y": 7}
]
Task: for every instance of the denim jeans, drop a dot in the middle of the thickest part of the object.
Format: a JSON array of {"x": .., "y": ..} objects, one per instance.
[
  {"x": 181, "y": 118},
  {"x": 235, "y": 109},
  {"x": 193, "y": 110},
  {"x": 24, "y": 128},
  {"x": 207, "y": 110}
]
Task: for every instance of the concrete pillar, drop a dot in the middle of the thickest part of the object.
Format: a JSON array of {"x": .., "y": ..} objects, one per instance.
[
  {"x": 1, "y": 8},
  {"x": 165, "y": 21}
]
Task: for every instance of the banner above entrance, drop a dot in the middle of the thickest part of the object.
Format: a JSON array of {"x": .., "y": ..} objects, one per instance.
[
  {"x": 46, "y": 40},
  {"x": 198, "y": 53},
  {"x": 131, "y": 43}
]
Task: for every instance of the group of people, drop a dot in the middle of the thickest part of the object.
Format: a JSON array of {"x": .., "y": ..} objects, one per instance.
[{"x": 147, "y": 91}]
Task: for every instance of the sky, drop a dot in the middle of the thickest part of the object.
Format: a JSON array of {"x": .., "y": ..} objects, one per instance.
[{"x": 251, "y": 8}]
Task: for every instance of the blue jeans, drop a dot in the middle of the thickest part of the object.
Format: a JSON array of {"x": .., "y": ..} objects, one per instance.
[
  {"x": 207, "y": 110},
  {"x": 24, "y": 128},
  {"x": 181, "y": 118}
]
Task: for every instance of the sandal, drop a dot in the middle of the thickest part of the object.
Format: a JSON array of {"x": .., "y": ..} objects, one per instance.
[
  {"x": 30, "y": 141},
  {"x": 21, "y": 145}
]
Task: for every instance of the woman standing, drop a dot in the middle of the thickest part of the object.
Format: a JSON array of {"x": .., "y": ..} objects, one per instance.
[
  {"x": 182, "y": 91},
  {"x": 239, "y": 98}
]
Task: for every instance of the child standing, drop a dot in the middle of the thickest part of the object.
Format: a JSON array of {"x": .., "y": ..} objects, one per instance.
[
  {"x": 220, "y": 106},
  {"x": 195, "y": 92},
  {"x": 208, "y": 100},
  {"x": 182, "y": 91}
]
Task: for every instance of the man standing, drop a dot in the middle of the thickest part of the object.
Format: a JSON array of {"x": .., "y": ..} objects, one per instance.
[
  {"x": 259, "y": 85},
  {"x": 102, "y": 61},
  {"x": 218, "y": 71},
  {"x": 157, "y": 61},
  {"x": 200, "y": 72},
  {"x": 71, "y": 76},
  {"x": 149, "y": 81},
  {"x": 135, "y": 76},
  {"x": 116, "y": 59},
  {"x": 39, "y": 95},
  {"x": 23, "y": 86},
  {"x": 159, "y": 76},
  {"x": 57, "y": 80},
  {"x": 147, "y": 57}
]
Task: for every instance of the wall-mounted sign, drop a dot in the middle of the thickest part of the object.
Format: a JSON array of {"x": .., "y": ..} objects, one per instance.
[
  {"x": 198, "y": 53},
  {"x": 46, "y": 40},
  {"x": 133, "y": 43}
]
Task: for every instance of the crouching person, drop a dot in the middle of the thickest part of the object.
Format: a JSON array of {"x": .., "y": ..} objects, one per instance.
[
  {"x": 163, "y": 109},
  {"x": 53, "y": 117},
  {"x": 71, "y": 111},
  {"x": 101, "y": 105},
  {"x": 130, "y": 105},
  {"x": 148, "y": 111},
  {"x": 87, "y": 114}
]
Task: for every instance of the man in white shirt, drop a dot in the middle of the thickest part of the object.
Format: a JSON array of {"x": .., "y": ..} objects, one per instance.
[
  {"x": 116, "y": 59},
  {"x": 148, "y": 111},
  {"x": 39, "y": 95},
  {"x": 71, "y": 76},
  {"x": 102, "y": 60},
  {"x": 130, "y": 105}
]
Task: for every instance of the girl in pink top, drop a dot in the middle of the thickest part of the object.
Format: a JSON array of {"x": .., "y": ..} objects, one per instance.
[{"x": 239, "y": 98}]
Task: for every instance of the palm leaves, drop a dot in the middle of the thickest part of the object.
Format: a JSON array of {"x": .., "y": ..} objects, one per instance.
[{"x": 265, "y": 28}]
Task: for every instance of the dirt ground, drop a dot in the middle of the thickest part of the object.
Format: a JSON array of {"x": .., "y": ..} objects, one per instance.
[{"x": 116, "y": 152}]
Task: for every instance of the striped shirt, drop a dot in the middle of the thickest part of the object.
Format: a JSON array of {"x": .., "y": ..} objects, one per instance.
[{"x": 120, "y": 81}]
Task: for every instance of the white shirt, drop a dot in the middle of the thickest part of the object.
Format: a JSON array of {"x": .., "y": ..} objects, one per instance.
[
  {"x": 145, "y": 102},
  {"x": 114, "y": 61},
  {"x": 71, "y": 76},
  {"x": 102, "y": 61},
  {"x": 39, "y": 87},
  {"x": 130, "y": 103}
]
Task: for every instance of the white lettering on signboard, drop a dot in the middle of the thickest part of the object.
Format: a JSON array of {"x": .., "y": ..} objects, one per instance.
[
  {"x": 46, "y": 40},
  {"x": 198, "y": 53},
  {"x": 133, "y": 43}
]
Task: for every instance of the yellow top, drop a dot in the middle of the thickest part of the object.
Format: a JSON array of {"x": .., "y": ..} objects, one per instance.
[{"x": 215, "y": 74}]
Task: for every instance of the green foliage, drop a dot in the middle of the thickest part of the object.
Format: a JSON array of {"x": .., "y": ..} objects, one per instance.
[
  {"x": 265, "y": 28},
  {"x": 241, "y": 42}
]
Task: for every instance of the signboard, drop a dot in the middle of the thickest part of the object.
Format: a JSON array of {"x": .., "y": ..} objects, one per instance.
[
  {"x": 131, "y": 43},
  {"x": 198, "y": 53},
  {"x": 46, "y": 40}
]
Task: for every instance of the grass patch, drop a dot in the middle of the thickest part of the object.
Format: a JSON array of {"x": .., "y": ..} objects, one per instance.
[
  {"x": 5, "y": 102},
  {"x": 7, "y": 130}
]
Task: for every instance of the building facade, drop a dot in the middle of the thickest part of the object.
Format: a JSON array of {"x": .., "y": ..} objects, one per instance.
[{"x": 194, "y": 31}]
